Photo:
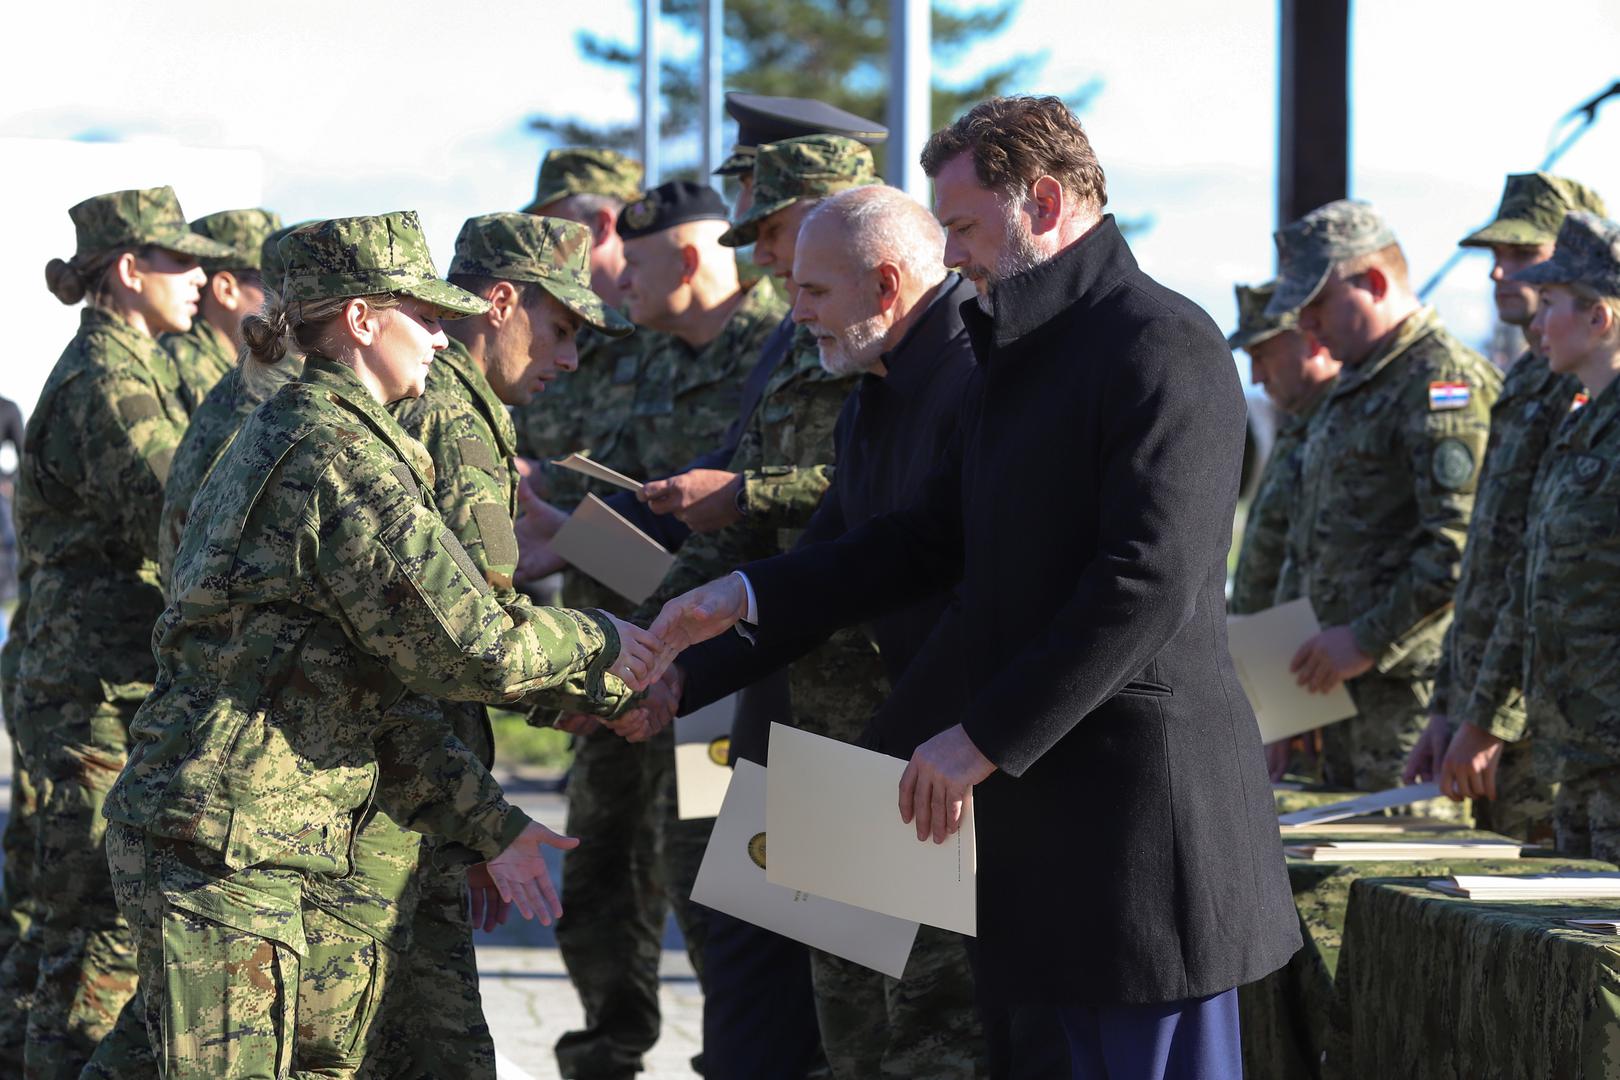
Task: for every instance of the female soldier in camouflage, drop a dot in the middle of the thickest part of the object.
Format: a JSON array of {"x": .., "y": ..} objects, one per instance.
[
  {"x": 316, "y": 597},
  {"x": 1567, "y": 584},
  {"x": 96, "y": 454}
]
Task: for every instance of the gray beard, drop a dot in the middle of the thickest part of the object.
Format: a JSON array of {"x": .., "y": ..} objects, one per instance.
[{"x": 1020, "y": 255}]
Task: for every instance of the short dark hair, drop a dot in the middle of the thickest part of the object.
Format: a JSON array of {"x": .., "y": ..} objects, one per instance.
[
  {"x": 1015, "y": 141},
  {"x": 480, "y": 285}
]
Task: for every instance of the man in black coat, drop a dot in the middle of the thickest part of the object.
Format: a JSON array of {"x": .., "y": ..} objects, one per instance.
[{"x": 1130, "y": 874}]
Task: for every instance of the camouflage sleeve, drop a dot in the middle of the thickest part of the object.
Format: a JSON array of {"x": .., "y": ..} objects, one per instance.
[
  {"x": 785, "y": 496},
  {"x": 1260, "y": 555},
  {"x": 410, "y": 595},
  {"x": 470, "y": 490},
  {"x": 1444, "y": 450},
  {"x": 127, "y": 443},
  {"x": 429, "y": 781},
  {"x": 1495, "y": 703}
]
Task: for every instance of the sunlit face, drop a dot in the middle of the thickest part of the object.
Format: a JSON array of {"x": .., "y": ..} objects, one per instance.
[
  {"x": 1567, "y": 326},
  {"x": 987, "y": 237},
  {"x": 1515, "y": 302},
  {"x": 651, "y": 280},
  {"x": 169, "y": 290},
  {"x": 533, "y": 347},
  {"x": 1285, "y": 366},
  {"x": 403, "y": 342},
  {"x": 838, "y": 301},
  {"x": 1344, "y": 317},
  {"x": 778, "y": 237}
]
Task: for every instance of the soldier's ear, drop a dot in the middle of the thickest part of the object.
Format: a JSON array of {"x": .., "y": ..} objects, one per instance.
[
  {"x": 1050, "y": 202},
  {"x": 888, "y": 285},
  {"x": 602, "y": 225},
  {"x": 690, "y": 261},
  {"x": 125, "y": 269},
  {"x": 504, "y": 299},
  {"x": 1377, "y": 282}
]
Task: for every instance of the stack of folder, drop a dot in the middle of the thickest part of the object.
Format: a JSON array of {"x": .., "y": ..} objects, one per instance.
[
  {"x": 1402, "y": 851},
  {"x": 1575, "y": 885}
]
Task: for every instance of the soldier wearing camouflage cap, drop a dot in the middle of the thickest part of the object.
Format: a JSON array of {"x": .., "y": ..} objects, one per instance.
[
  {"x": 320, "y": 605},
  {"x": 1489, "y": 759},
  {"x": 234, "y": 290},
  {"x": 534, "y": 272},
  {"x": 90, "y": 481},
  {"x": 1566, "y": 582},
  {"x": 1296, "y": 372},
  {"x": 761, "y": 119},
  {"x": 1388, "y": 474}
]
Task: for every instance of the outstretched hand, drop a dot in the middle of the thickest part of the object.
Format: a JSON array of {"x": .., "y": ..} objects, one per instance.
[
  {"x": 520, "y": 873},
  {"x": 692, "y": 617},
  {"x": 639, "y": 652}
]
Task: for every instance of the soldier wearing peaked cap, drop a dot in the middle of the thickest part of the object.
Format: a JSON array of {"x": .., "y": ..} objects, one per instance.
[
  {"x": 761, "y": 119},
  {"x": 1565, "y": 582},
  {"x": 320, "y": 605},
  {"x": 1388, "y": 474},
  {"x": 1491, "y": 761},
  {"x": 534, "y": 272},
  {"x": 234, "y": 290},
  {"x": 95, "y": 456}
]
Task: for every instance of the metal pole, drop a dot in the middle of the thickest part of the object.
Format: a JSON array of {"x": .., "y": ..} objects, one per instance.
[
  {"x": 910, "y": 38},
  {"x": 649, "y": 90},
  {"x": 1313, "y": 121},
  {"x": 714, "y": 39}
]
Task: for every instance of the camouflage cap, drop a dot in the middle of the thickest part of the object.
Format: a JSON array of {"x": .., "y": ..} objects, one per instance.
[
  {"x": 137, "y": 217},
  {"x": 584, "y": 170},
  {"x": 1309, "y": 249},
  {"x": 1588, "y": 253},
  {"x": 1533, "y": 207},
  {"x": 808, "y": 167},
  {"x": 550, "y": 252},
  {"x": 243, "y": 231},
  {"x": 1254, "y": 325},
  {"x": 363, "y": 256},
  {"x": 272, "y": 266}
]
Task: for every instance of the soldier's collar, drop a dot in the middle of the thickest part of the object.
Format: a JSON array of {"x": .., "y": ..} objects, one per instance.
[
  {"x": 1412, "y": 329},
  {"x": 459, "y": 361},
  {"x": 345, "y": 388}
]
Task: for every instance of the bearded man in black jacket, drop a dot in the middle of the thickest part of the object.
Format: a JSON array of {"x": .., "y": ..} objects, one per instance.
[{"x": 1129, "y": 871}]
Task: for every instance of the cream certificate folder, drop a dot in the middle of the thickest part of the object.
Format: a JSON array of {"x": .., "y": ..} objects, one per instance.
[
  {"x": 702, "y": 750},
  {"x": 579, "y": 463},
  {"x": 598, "y": 541},
  {"x": 1263, "y": 645},
  {"x": 732, "y": 879},
  {"x": 1360, "y": 805},
  {"x": 833, "y": 811}
]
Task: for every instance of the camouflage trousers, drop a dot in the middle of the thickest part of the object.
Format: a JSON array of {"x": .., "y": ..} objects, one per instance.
[
  {"x": 432, "y": 1021},
  {"x": 1586, "y": 816},
  {"x": 20, "y": 926},
  {"x": 270, "y": 988},
  {"x": 1523, "y": 807},
  {"x": 74, "y": 750},
  {"x": 922, "y": 1025}
]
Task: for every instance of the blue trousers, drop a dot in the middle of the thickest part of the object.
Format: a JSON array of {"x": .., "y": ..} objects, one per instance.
[{"x": 1196, "y": 1039}]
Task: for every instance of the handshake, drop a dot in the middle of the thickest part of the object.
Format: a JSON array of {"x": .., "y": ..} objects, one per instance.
[{"x": 646, "y": 659}]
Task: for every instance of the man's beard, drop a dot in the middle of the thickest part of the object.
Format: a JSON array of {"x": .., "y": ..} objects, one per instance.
[
  {"x": 854, "y": 351},
  {"x": 1019, "y": 254}
]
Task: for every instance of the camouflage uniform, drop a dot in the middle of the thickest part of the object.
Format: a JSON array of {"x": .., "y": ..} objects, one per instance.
[
  {"x": 1534, "y": 401},
  {"x": 96, "y": 452},
  {"x": 319, "y": 603},
  {"x": 1387, "y": 480},
  {"x": 19, "y": 960},
  {"x": 203, "y": 354},
  {"x": 614, "y": 892},
  {"x": 432, "y": 1019},
  {"x": 585, "y": 170},
  {"x": 1565, "y": 585}
]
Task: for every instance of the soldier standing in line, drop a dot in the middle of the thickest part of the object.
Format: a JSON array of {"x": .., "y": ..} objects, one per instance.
[
  {"x": 1297, "y": 374},
  {"x": 96, "y": 455},
  {"x": 1490, "y": 761},
  {"x": 1566, "y": 580},
  {"x": 207, "y": 351},
  {"x": 1387, "y": 480}
]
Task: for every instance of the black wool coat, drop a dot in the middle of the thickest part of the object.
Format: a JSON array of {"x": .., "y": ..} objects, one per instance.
[{"x": 1128, "y": 847}]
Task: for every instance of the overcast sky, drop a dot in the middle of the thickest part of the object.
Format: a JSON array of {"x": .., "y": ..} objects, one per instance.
[{"x": 367, "y": 106}]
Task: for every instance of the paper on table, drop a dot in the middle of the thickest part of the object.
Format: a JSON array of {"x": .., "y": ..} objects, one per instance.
[
  {"x": 1408, "y": 851},
  {"x": 602, "y": 543},
  {"x": 1263, "y": 645},
  {"x": 596, "y": 470},
  {"x": 834, "y": 819},
  {"x": 702, "y": 748},
  {"x": 1574, "y": 885},
  {"x": 732, "y": 879},
  {"x": 1361, "y": 804}
]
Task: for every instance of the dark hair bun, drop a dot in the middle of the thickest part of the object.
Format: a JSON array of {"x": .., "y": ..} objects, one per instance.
[{"x": 65, "y": 281}]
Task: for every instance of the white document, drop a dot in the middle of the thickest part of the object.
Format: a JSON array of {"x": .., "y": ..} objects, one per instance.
[
  {"x": 1360, "y": 805},
  {"x": 834, "y": 819},
  {"x": 702, "y": 749},
  {"x": 596, "y": 470},
  {"x": 1573, "y": 885},
  {"x": 1407, "y": 851},
  {"x": 732, "y": 879},
  {"x": 1263, "y": 645},
  {"x": 600, "y": 542}
]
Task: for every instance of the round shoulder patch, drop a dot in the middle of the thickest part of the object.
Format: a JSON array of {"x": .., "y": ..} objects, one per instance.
[{"x": 1453, "y": 464}]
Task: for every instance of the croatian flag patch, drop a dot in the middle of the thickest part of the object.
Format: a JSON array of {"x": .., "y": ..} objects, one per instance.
[
  {"x": 1581, "y": 398},
  {"x": 1448, "y": 395}
]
